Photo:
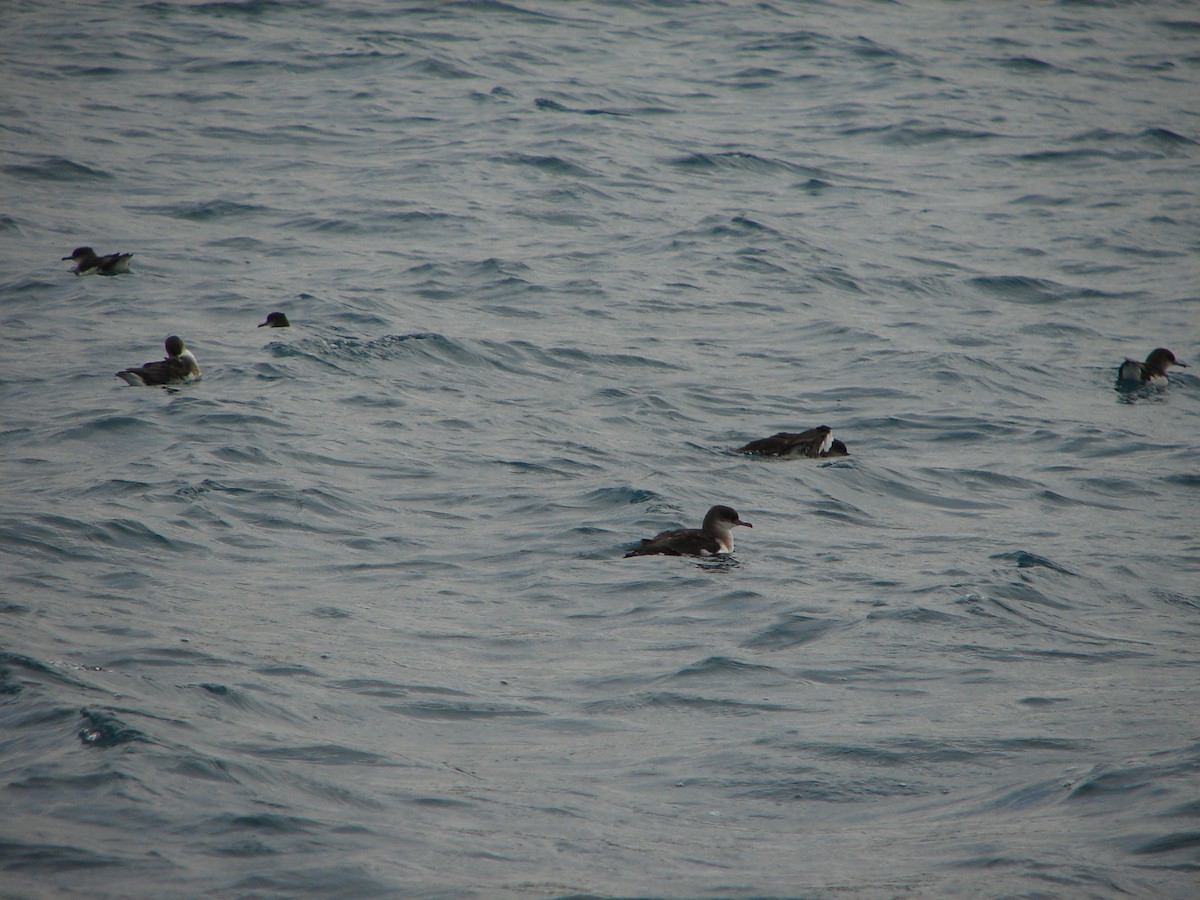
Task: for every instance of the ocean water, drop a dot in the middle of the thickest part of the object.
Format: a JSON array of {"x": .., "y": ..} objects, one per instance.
[{"x": 349, "y": 617}]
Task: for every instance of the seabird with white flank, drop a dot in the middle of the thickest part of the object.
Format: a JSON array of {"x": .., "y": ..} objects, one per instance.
[
  {"x": 87, "y": 262},
  {"x": 816, "y": 443},
  {"x": 714, "y": 536},
  {"x": 179, "y": 367},
  {"x": 276, "y": 320},
  {"x": 1152, "y": 371}
]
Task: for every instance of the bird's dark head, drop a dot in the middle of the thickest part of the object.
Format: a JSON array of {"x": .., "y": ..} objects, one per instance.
[
  {"x": 276, "y": 320},
  {"x": 723, "y": 518},
  {"x": 1160, "y": 360}
]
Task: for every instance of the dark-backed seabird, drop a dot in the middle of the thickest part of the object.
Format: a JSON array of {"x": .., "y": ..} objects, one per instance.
[
  {"x": 179, "y": 366},
  {"x": 1152, "y": 371},
  {"x": 276, "y": 320},
  {"x": 88, "y": 262},
  {"x": 813, "y": 444},
  {"x": 714, "y": 536}
]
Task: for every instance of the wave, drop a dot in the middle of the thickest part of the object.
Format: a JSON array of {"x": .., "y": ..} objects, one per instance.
[
  {"x": 252, "y": 8},
  {"x": 555, "y": 165},
  {"x": 795, "y": 629},
  {"x": 911, "y": 134},
  {"x": 1029, "y": 65},
  {"x": 745, "y": 161},
  {"x": 1036, "y": 291},
  {"x": 207, "y": 210},
  {"x": 56, "y": 168}
]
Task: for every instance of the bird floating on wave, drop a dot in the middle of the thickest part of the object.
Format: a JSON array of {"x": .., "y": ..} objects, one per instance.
[
  {"x": 1152, "y": 371},
  {"x": 87, "y": 262},
  {"x": 816, "y": 443},
  {"x": 179, "y": 367},
  {"x": 276, "y": 320},
  {"x": 714, "y": 536}
]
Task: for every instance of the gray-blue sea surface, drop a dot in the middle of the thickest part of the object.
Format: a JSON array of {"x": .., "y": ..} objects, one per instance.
[{"x": 348, "y": 617}]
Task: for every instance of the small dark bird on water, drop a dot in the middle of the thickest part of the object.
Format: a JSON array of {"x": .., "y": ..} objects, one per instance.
[
  {"x": 276, "y": 320},
  {"x": 714, "y": 536},
  {"x": 816, "y": 443},
  {"x": 87, "y": 262},
  {"x": 1152, "y": 371},
  {"x": 180, "y": 366}
]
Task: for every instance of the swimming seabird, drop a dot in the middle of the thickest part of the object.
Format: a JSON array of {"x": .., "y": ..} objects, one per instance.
[
  {"x": 179, "y": 366},
  {"x": 815, "y": 443},
  {"x": 88, "y": 262},
  {"x": 276, "y": 320},
  {"x": 714, "y": 536},
  {"x": 1152, "y": 371}
]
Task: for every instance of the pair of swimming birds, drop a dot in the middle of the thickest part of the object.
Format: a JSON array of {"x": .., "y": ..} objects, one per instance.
[
  {"x": 715, "y": 535},
  {"x": 180, "y": 365}
]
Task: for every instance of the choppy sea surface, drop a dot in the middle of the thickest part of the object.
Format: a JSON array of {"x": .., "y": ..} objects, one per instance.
[{"x": 349, "y": 617}]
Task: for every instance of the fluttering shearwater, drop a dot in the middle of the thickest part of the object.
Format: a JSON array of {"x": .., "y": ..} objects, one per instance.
[
  {"x": 88, "y": 262},
  {"x": 816, "y": 443},
  {"x": 179, "y": 366},
  {"x": 714, "y": 536},
  {"x": 276, "y": 320},
  {"x": 1152, "y": 371}
]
